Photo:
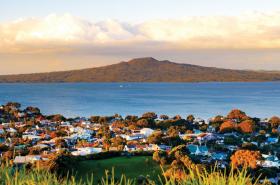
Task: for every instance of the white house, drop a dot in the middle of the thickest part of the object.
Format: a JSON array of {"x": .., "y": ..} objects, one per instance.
[
  {"x": 270, "y": 161},
  {"x": 130, "y": 148},
  {"x": 11, "y": 130},
  {"x": 21, "y": 114},
  {"x": 134, "y": 137},
  {"x": 32, "y": 137},
  {"x": 146, "y": 131},
  {"x": 27, "y": 159},
  {"x": 156, "y": 147},
  {"x": 86, "y": 151}
]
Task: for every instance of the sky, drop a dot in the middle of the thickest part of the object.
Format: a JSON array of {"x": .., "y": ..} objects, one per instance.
[{"x": 55, "y": 35}]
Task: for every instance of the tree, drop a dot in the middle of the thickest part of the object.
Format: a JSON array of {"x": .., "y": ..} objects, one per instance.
[
  {"x": 3, "y": 148},
  {"x": 60, "y": 143},
  {"x": 173, "y": 131},
  {"x": 56, "y": 118},
  {"x": 190, "y": 118},
  {"x": 181, "y": 163},
  {"x": 118, "y": 124},
  {"x": 177, "y": 117},
  {"x": 216, "y": 122},
  {"x": 217, "y": 119},
  {"x": 246, "y": 126},
  {"x": 106, "y": 143},
  {"x": 94, "y": 119},
  {"x": 131, "y": 118},
  {"x": 156, "y": 156},
  {"x": 33, "y": 110},
  {"x": 274, "y": 121},
  {"x": 249, "y": 146},
  {"x": 227, "y": 126},
  {"x": 164, "y": 117},
  {"x": 231, "y": 140},
  {"x": 142, "y": 123},
  {"x": 155, "y": 138},
  {"x": 237, "y": 114},
  {"x": 150, "y": 115},
  {"x": 118, "y": 142},
  {"x": 178, "y": 152},
  {"x": 245, "y": 158},
  {"x": 13, "y": 104}
]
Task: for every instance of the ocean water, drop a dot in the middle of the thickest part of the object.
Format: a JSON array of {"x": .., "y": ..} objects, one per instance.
[{"x": 204, "y": 100}]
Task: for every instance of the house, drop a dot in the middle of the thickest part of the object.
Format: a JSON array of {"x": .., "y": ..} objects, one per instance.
[
  {"x": 41, "y": 146},
  {"x": 156, "y": 147},
  {"x": 135, "y": 131},
  {"x": 44, "y": 122},
  {"x": 142, "y": 147},
  {"x": 219, "y": 156},
  {"x": 272, "y": 140},
  {"x": 21, "y": 114},
  {"x": 199, "y": 121},
  {"x": 32, "y": 137},
  {"x": 146, "y": 131},
  {"x": 270, "y": 161},
  {"x": 11, "y": 130},
  {"x": 85, "y": 122},
  {"x": 19, "y": 147},
  {"x": 134, "y": 137},
  {"x": 30, "y": 132},
  {"x": 96, "y": 126},
  {"x": 113, "y": 148},
  {"x": 130, "y": 148},
  {"x": 27, "y": 159},
  {"x": 86, "y": 151},
  {"x": 198, "y": 150}
]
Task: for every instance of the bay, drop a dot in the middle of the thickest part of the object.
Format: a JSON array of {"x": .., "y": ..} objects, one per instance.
[{"x": 204, "y": 100}]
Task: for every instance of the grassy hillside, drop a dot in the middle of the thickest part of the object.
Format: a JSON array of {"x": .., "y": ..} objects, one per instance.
[
  {"x": 132, "y": 167},
  {"x": 10, "y": 176},
  {"x": 146, "y": 70}
]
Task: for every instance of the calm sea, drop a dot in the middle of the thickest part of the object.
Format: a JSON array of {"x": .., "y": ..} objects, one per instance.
[{"x": 201, "y": 99}]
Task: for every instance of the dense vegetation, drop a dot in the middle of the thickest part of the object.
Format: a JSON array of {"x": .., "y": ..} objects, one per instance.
[
  {"x": 146, "y": 70},
  {"x": 10, "y": 176}
]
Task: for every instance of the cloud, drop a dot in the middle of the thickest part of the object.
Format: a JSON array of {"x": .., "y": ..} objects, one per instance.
[{"x": 68, "y": 33}]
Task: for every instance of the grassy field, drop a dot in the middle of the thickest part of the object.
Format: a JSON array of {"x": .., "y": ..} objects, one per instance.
[
  {"x": 10, "y": 176},
  {"x": 132, "y": 167}
]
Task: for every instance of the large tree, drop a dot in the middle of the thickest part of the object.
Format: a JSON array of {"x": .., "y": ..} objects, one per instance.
[
  {"x": 274, "y": 121},
  {"x": 237, "y": 114},
  {"x": 246, "y": 158},
  {"x": 246, "y": 126}
]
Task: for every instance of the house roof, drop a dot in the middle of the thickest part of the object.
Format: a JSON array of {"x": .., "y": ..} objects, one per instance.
[
  {"x": 26, "y": 159},
  {"x": 196, "y": 148}
]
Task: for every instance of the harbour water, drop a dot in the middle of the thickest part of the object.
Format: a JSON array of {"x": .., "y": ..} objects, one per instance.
[{"x": 260, "y": 99}]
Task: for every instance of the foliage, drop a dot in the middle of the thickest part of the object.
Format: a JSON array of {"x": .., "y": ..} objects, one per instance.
[
  {"x": 150, "y": 115},
  {"x": 274, "y": 121},
  {"x": 237, "y": 114},
  {"x": 246, "y": 126},
  {"x": 227, "y": 126},
  {"x": 155, "y": 138},
  {"x": 245, "y": 158}
]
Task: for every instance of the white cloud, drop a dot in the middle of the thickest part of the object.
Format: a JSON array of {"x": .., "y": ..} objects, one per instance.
[{"x": 56, "y": 33}]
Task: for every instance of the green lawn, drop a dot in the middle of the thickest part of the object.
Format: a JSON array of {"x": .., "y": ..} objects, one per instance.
[{"x": 132, "y": 167}]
